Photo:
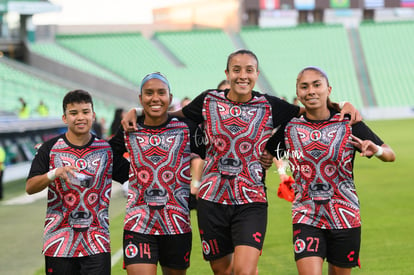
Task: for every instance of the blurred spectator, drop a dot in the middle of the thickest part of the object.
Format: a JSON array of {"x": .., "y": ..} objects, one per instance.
[
  {"x": 224, "y": 84},
  {"x": 2, "y": 166},
  {"x": 97, "y": 128},
  {"x": 24, "y": 111},
  {"x": 42, "y": 109},
  {"x": 116, "y": 122},
  {"x": 185, "y": 101},
  {"x": 295, "y": 101},
  {"x": 102, "y": 121}
]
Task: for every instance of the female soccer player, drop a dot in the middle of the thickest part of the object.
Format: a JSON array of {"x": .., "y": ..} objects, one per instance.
[
  {"x": 232, "y": 203},
  {"x": 321, "y": 148},
  {"x": 157, "y": 224}
]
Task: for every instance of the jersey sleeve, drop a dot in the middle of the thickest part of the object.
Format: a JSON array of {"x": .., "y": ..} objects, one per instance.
[
  {"x": 41, "y": 161},
  {"x": 362, "y": 131},
  {"x": 120, "y": 170},
  {"x": 197, "y": 141},
  {"x": 196, "y": 138},
  {"x": 276, "y": 143},
  {"x": 282, "y": 111},
  {"x": 194, "y": 110}
]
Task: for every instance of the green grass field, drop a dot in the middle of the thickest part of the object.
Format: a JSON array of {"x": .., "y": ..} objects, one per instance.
[{"x": 387, "y": 209}]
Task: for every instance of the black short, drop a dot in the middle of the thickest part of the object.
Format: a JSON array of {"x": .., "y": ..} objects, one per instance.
[
  {"x": 340, "y": 247},
  {"x": 192, "y": 204},
  {"x": 223, "y": 227},
  {"x": 99, "y": 264},
  {"x": 171, "y": 251}
]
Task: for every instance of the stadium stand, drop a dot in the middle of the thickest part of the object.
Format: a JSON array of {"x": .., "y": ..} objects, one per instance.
[
  {"x": 16, "y": 80},
  {"x": 129, "y": 55},
  {"x": 283, "y": 52},
  {"x": 389, "y": 57},
  {"x": 202, "y": 55},
  {"x": 195, "y": 60},
  {"x": 59, "y": 54},
  {"x": 15, "y": 83}
]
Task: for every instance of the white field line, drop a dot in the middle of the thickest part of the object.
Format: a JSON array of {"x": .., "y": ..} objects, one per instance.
[
  {"x": 26, "y": 199},
  {"x": 117, "y": 257}
]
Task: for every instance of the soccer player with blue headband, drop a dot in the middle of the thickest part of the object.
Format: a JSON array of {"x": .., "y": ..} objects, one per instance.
[
  {"x": 156, "y": 75},
  {"x": 157, "y": 227}
]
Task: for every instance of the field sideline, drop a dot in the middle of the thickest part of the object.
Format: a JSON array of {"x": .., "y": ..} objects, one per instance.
[{"x": 387, "y": 209}]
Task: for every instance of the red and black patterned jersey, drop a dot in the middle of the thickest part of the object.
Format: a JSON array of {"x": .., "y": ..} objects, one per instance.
[
  {"x": 321, "y": 159},
  {"x": 159, "y": 178},
  {"x": 236, "y": 135},
  {"x": 77, "y": 213}
]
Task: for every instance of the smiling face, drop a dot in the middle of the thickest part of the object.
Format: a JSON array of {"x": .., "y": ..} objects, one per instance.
[
  {"x": 79, "y": 118},
  {"x": 312, "y": 89},
  {"x": 242, "y": 73},
  {"x": 155, "y": 98}
]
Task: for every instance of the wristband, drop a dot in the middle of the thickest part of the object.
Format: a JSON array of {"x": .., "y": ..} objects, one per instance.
[
  {"x": 51, "y": 175},
  {"x": 195, "y": 183},
  {"x": 138, "y": 111},
  {"x": 341, "y": 104},
  {"x": 379, "y": 152},
  {"x": 281, "y": 170}
]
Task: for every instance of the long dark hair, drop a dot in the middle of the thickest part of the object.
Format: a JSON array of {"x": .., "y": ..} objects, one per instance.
[
  {"x": 116, "y": 122},
  {"x": 242, "y": 51},
  {"x": 329, "y": 103}
]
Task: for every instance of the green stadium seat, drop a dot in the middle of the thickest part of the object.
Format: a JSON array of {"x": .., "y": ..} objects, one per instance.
[
  {"x": 390, "y": 61},
  {"x": 283, "y": 52},
  {"x": 59, "y": 54}
]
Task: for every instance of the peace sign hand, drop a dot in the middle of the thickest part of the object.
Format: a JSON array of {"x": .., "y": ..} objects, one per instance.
[{"x": 366, "y": 147}]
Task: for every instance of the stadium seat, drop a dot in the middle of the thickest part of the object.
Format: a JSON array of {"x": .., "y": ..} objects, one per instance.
[
  {"x": 390, "y": 58},
  {"x": 284, "y": 51}
]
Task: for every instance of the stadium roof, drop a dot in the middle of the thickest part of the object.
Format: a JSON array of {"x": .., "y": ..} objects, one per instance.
[{"x": 28, "y": 7}]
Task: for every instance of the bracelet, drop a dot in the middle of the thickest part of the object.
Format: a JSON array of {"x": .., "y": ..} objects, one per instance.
[
  {"x": 379, "y": 152},
  {"x": 281, "y": 170},
  {"x": 195, "y": 183},
  {"x": 341, "y": 104},
  {"x": 51, "y": 175},
  {"x": 138, "y": 111}
]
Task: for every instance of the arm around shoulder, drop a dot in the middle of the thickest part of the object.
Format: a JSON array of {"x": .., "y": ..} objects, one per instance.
[
  {"x": 129, "y": 121},
  {"x": 348, "y": 108}
]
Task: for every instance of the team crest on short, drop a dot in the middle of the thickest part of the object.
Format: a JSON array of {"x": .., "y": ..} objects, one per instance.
[
  {"x": 235, "y": 111},
  {"x": 155, "y": 140},
  {"x": 206, "y": 248},
  {"x": 131, "y": 251},
  {"x": 300, "y": 245}
]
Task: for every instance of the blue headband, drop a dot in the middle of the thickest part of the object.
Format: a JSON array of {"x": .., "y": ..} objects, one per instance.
[
  {"x": 322, "y": 72},
  {"x": 156, "y": 75}
]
